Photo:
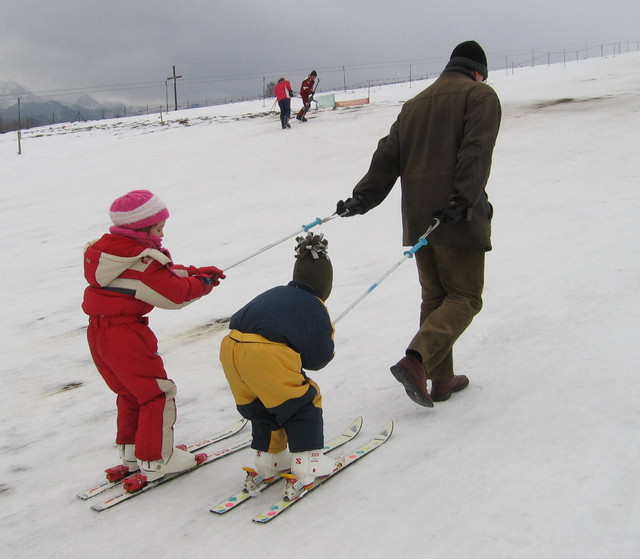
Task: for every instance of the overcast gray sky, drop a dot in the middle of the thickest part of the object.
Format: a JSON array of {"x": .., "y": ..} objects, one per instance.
[{"x": 123, "y": 50}]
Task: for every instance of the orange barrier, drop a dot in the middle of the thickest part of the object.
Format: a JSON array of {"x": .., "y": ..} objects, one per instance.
[{"x": 352, "y": 102}]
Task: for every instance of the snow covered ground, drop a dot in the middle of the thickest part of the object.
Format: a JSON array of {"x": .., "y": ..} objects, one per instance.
[{"x": 537, "y": 459}]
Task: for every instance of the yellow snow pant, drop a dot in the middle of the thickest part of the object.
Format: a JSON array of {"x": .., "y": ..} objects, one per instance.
[{"x": 272, "y": 391}]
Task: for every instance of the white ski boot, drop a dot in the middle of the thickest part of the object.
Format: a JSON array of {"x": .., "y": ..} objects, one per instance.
[
  {"x": 267, "y": 466},
  {"x": 129, "y": 464},
  {"x": 305, "y": 468},
  {"x": 128, "y": 457},
  {"x": 179, "y": 461}
]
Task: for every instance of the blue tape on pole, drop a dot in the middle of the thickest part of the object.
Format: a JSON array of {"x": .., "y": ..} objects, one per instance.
[
  {"x": 415, "y": 248},
  {"x": 317, "y": 221}
]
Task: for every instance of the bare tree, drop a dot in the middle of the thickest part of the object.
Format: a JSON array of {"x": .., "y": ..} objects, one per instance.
[{"x": 270, "y": 90}]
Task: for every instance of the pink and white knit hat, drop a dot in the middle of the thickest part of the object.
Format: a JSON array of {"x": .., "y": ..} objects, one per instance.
[{"x": 138, "y": 209}]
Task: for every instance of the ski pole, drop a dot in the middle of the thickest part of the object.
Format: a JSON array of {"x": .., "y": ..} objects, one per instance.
[
  {"x": 422, "y": 241},
  {"x": 305, "y": 229}
]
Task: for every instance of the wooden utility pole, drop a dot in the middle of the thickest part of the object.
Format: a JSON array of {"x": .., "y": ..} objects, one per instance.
[
  {"x": 175, "y": 86},
  {"x": 19, "y": 130}
]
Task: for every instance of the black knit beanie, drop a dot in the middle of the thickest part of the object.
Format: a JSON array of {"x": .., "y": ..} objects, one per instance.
[
  {"x": 313, "y": 266},
  {"x": 471, "y": 56}
]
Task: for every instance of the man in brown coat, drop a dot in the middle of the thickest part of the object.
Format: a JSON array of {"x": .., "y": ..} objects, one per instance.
[{"x": 441, "y": 147}]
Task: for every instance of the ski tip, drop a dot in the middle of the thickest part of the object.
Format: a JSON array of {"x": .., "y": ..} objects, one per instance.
[
  {"x": 240, "y": 424},
  {"x": 387, "y": 428}
]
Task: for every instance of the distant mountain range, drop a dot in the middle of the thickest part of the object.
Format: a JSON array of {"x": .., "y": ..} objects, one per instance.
[{"x": 39, "y": 111}]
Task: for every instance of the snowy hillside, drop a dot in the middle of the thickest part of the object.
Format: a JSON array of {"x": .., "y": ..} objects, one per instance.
[{"x": 536, "y": 459}]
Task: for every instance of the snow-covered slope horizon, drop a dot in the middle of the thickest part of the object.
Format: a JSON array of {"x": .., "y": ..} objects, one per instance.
[{"x": 536, "y": 459}]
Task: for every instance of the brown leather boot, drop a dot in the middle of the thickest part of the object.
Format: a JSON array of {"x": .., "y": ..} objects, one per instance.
[
  {"x": 410, "y": 372},
  {"x": 441, "y": 390}
]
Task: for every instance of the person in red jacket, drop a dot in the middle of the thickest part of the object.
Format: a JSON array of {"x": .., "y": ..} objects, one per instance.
[
  {"x": 284, "y": 93},
  {"x": 306, "y": 93},
  {"x": 129, "y": 273}
]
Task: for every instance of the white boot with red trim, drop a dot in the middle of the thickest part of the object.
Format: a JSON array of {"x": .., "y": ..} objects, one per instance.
[
  {"x": 267, "y": 466},
  {"x": 179, "y": 461},
  {"x": 128, "y": 456},
  {"x": 307, "y": 466}
]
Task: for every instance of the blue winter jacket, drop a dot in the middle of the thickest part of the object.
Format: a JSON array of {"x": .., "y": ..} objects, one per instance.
[{"x": 294, "y": 315}]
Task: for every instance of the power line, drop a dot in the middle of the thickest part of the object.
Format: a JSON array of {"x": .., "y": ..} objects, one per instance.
[{"x": 246, "y": 76}]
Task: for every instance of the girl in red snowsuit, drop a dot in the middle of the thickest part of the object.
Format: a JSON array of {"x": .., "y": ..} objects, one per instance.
[{"x": 129, "y": 273}]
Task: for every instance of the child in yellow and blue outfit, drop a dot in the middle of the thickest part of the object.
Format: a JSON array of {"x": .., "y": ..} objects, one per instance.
[{"x": 272, "y": 338}]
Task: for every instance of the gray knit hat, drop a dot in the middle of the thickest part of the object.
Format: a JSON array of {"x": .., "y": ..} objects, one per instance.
[{"x": 313, "y": 266}]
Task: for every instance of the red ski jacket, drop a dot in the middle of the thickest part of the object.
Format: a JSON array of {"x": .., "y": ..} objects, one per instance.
[
  {"x": 126, "y": 278},
  {"x": 283, "y": 90},
  {"x": 306, "y": 89}
]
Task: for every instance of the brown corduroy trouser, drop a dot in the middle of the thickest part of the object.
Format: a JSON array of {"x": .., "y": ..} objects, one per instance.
[{"x": 452, "y": 280}]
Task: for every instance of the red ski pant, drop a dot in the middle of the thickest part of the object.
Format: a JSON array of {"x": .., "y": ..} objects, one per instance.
[
  {"x": 125, "y": 354},
  {"x": 306, "y": 105}
]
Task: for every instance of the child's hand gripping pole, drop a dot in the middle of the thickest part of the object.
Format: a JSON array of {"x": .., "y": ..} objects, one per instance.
[
  {"x": 422, "y": 241},
  {"x": 305, "y": 229}
]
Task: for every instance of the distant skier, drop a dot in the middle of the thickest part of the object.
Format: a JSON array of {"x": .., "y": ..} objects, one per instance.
[
  {"x": 284, "y": 93},
  {"x": 307, "y": 90},
  {"x": 129, "y": 273},
  {"x": 272, "y": 338}
]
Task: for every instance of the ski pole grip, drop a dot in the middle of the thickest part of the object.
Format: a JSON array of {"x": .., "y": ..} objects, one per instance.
[
  {"x": 415, "y": 248},
  {"x": 316, "y": 221}
]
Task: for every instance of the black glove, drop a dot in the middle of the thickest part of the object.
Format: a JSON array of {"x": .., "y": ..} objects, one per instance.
[
  {"x": 349, "y": 207},
  {"x": 452, "y": 213}
]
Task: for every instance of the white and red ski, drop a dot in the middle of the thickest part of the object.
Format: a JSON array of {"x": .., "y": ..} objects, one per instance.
[
  {"x": 117, "y": 474},
  {"x": 137, "y": 484}
]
